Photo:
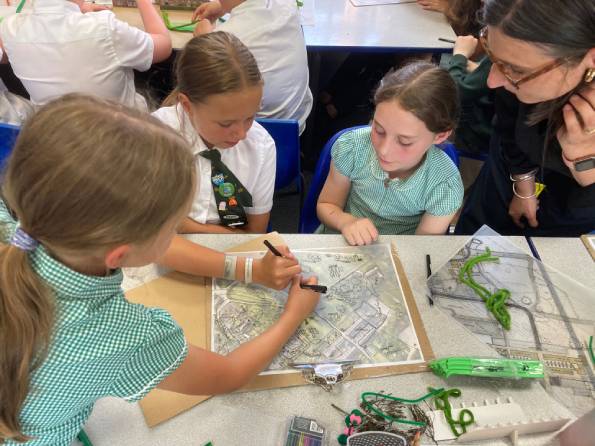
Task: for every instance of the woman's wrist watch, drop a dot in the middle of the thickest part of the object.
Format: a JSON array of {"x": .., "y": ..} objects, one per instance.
[{"x": 581, "y": 163}]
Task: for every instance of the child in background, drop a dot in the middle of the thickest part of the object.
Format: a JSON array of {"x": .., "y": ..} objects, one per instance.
[
  {"x": 461, "y": 14},
  {"x": 271, "y": 30},
  {"x": 13, "y": 108},
  {"x": 469, "y": 67},
  {"x": 70, "y": 219},
  {"x": 390, "y": 178},
  {"x": 218, "y": 93},
  {"x": 477, "y": 99},
  {"x": 55, "y": 49}
]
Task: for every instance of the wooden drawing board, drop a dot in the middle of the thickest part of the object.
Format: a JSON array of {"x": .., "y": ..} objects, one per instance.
[
  {"x": 589, "y": 241},
  {"x": 188, "y": 300}
]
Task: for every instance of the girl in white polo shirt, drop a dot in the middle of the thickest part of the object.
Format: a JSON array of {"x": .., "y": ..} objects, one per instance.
[
  {"x": 56, "y": 49},
  {"x": 271, "y": 30},
  {"x": 218, "y": 94}
]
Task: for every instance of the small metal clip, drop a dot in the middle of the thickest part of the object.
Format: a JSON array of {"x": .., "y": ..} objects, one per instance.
[{"x": 325, "y": 374}]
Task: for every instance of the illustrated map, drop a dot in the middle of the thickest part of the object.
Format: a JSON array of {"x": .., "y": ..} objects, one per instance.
[
  {"x": 363, "y": 316},
  {"x": 552, "y": 315}
]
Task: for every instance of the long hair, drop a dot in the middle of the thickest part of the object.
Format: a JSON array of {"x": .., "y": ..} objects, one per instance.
[
  {"x": 85, "y": 175},
  {"x": 424, "y": 90},
  {"x": 561, "y": 28},
  {"x": 213, "y": 63}
]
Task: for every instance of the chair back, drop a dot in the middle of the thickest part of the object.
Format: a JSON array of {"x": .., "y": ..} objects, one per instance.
[
  {"x": 286, "y": 134},
  {"x": 452, "y": 152},
  {"x": 308, "y": 218},
  {"x": 8, "y": 137}
]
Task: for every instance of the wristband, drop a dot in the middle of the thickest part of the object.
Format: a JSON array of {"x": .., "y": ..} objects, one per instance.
[
  {"x": 229, "y": 267},
  {"x": 524, "y": 177},
  {"x": 248, "y": 270},
  {"x": 521, "y": 196}
]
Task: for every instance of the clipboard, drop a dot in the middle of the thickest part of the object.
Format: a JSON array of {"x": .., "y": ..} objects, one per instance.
[
  {"x": 188, "y": 300},
  {"x": 589, "y": 241}
]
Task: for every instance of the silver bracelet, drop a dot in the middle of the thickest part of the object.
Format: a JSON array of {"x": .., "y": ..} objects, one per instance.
[
  {"x": 521, "y": 196},
  {"x": 524, "y": 177},
  {"x": 248, "y": 269},
  {"x": 229, "y": 267}
]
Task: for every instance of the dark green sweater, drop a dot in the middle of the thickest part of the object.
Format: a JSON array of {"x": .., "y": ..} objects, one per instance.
[{"x": 477, "y": 103}]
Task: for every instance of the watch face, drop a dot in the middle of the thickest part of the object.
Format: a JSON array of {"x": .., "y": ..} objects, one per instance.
[{"x": 583, "y": 165}]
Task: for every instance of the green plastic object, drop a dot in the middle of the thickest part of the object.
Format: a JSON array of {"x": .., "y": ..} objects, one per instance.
[
  {"x": 487, "y": 367},
  {"x": 184, "y": 27},
  {"x": 495, "y": 302}
]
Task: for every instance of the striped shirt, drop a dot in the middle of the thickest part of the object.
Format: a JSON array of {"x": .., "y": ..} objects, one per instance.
[
  {"x": 102, "y": 345},
  {"x": 395, "y": 206}
]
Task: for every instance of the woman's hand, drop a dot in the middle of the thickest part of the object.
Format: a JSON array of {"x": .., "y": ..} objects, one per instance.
[
  {"x": 276, "y": 272},
  {"x": 360, "y": 231},
  {"x": 524, "y": 207},
  {"x": 577, "y": 135},
  {"x": 301, "y": 301}
]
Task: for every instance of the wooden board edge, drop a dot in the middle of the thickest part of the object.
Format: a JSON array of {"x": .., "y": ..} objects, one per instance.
[{"x": 585, "y": 238}]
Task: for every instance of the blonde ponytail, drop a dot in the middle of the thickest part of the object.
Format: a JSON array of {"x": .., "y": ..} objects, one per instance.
[{"x": 26, "y": 318}]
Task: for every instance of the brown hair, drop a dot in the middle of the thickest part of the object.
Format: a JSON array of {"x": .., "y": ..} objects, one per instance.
[
  {"x": 464, "y": 16},
  {"x": 562, "y": 28},
  {"x": 424, "y": 90},
  {"x": 213, "y": 63},
  {"x": 85, "y": 175}
]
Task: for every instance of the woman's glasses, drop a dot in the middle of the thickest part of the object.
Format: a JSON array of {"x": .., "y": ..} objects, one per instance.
[{"x": 505, "y": 69}]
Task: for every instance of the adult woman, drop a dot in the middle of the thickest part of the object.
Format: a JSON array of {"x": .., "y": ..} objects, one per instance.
[{"x": 543, "y": 66}]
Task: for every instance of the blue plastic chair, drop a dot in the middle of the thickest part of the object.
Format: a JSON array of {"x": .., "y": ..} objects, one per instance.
[
  {"x": 8, "y": 137},
  {"x": 286, "y": 134},
  {"x": 308, "y": 218}
]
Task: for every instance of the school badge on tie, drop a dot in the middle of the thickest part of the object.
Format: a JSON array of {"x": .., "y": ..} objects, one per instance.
[{"x": 230, "y": 193}]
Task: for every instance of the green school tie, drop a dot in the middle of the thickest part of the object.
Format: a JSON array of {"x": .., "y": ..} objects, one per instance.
[{"x": 230, "y": 193}]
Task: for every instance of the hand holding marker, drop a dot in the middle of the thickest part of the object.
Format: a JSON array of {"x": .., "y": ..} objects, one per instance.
[{"x": 317, "y": 288}]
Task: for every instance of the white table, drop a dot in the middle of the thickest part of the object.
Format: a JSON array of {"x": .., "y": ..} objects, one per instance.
[
  {"x": 340, "y": 26},
  {"x": 258, "y": 418}
]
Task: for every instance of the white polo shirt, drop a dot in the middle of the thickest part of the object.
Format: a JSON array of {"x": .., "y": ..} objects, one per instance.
[
  {"x": 271, "y": 30},
  {"x": 253, "y": 161},
  {"x": 55, "y": 49}
]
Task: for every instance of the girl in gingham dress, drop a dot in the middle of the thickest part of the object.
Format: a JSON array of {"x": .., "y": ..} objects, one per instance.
[
  {"x": 390, "y": 178},
  {"x": 88, "y": 190}
]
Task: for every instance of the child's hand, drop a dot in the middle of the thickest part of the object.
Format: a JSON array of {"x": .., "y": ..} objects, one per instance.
[
  {"x": 92, "y": 7},
  {"x": 301, "y": 302},
  {"x": 209, "y": 10},
  {"x": 276, "y": 272},
  {"x": 360, "y": 231},
  {"x": 434, "y": 5},
  {"x": 203, "y": 27},
  {"x": 465, "y": 45}
]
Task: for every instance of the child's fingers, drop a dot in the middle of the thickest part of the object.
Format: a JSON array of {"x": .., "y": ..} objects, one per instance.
[
  {"x": 312, "y": 280},
  {"x": 358, "y": 238},
  {"x": 349, "y": 237},
  {"x": 373, "y": 232},
  {"x": 292, "y": 271},
  {"x": 199, "y": 12},
  {"x": 285, "y": 252}
]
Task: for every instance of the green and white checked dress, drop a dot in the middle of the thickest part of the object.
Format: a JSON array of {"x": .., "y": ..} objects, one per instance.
[
  {"x": 102, "y": 345},
  {"x": 397, "y": 208}
]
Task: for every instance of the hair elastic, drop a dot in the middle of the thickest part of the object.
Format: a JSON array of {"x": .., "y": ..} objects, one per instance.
[{"x": 23, "y": 241}]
